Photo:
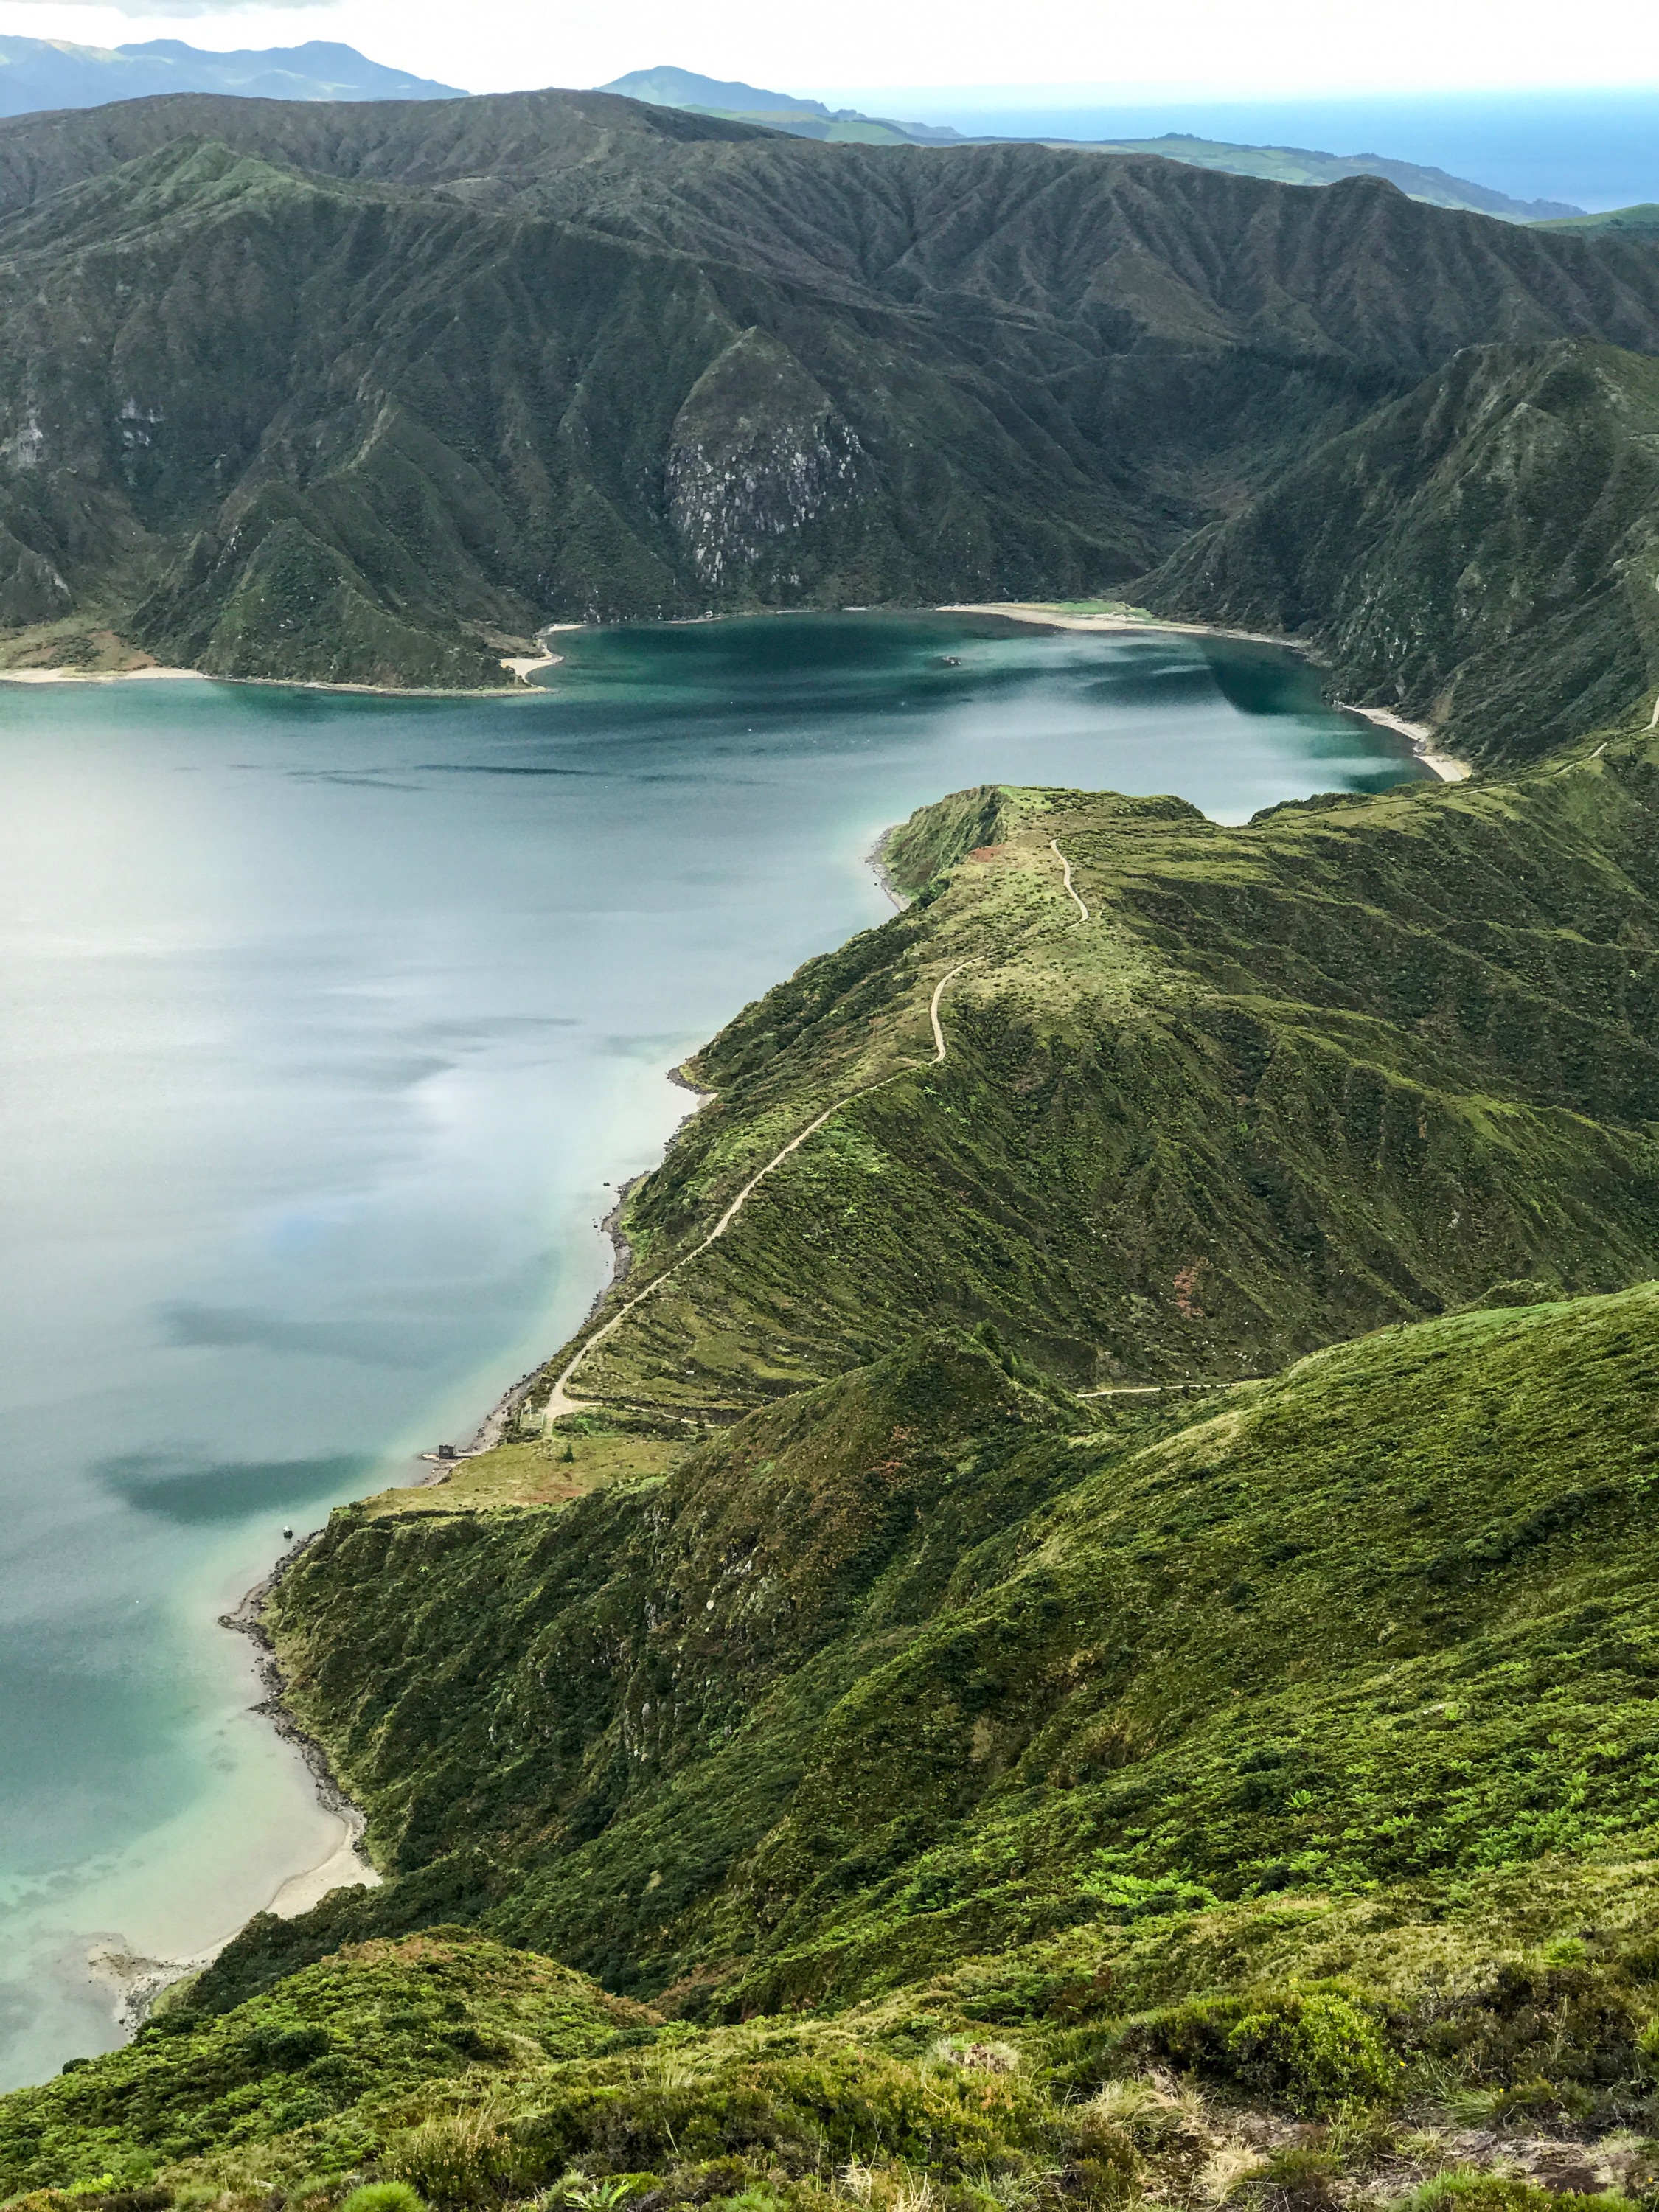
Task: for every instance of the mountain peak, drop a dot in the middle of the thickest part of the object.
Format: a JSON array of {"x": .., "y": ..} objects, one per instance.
[
  {"x": 53, "y": 73},
  {"x": 733, "y": 99}
]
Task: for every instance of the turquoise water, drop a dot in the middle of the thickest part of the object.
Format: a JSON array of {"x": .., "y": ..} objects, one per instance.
[
  {"x": 328, "y": 1021},
  {"x": 1589, "y": 146}
]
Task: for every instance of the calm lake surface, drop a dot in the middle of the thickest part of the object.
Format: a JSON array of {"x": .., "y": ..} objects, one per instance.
[{"x": 326, "y": 1021}]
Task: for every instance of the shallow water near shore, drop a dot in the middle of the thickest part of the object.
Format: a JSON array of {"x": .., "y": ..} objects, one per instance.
[{"x": 329, "y": 1021}]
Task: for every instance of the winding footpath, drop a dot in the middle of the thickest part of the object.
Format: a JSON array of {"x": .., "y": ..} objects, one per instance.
[
  {"x": 1072, "y": 891},
  {"x": 559, "y": 1400}
]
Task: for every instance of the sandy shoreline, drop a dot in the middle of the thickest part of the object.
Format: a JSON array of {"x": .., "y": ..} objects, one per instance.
[
  {"x": 1129, "y": 625},
  {"x": 1447, "y": 766},
  {"x": 99, "y": 675},
  {"x": 514, "y": 690},
  {"x": 136, "y": 1982},
  {"x": 249, "y": 1619},
  {"x": 521, "y": 667}
]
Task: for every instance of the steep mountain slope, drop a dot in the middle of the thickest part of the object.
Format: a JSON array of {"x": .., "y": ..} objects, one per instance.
[
  {"x": 491, "y": 361},
  {"x": 908, "y": 1669},
  {"x": 1484, "y": 552},
  {"x": 976, "y": 1757},
  {"x": 1347, "y": 1064}
]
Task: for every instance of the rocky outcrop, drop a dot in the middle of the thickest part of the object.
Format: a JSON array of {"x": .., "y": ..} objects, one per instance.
[{"x": 757, "y": 455}]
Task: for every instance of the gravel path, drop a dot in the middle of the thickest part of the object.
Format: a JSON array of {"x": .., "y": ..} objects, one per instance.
[
  {"x": 559, "y": 1400},
  {"x": 1071, "y": 888}
]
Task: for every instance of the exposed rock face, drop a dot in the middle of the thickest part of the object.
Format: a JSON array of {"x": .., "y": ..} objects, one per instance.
[
  {"x": 31, "y": 589},
  {"x": 756, "y": 454},
  {"x": 325, "y": 390}
]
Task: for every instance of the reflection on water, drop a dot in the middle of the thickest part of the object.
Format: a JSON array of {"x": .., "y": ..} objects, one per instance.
[{"x": 328, "y": 1019}]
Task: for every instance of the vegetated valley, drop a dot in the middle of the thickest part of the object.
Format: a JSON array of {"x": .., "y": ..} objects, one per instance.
[
  {"x": 1096, "y": 1642},
  {"x": 369, "y": 392}
]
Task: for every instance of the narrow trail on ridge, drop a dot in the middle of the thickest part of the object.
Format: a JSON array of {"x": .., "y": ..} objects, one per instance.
[
  {"x": 559, "y": 1401},
  {"x": 1072, "y": 892}
]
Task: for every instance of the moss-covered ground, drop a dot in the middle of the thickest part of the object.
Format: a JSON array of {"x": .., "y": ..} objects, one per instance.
[
  {"x": 1350, "y": 1063},
  {"x": 963, "y": 1791}
]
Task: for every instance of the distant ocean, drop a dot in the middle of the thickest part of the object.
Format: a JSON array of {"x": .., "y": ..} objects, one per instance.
[{"x": 1596, "y": 149}]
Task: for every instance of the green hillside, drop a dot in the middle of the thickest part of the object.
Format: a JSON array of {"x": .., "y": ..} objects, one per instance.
[
  {"x": 830, "y": 1723},
  {"x": 989, "y": 1752},
  {"x": 1482, "y": 553},
  {"x": 1301, "y": 165},
  {"x": 1066, "y": 1808},
  {"x": 1347, "y": 1065},
  {"x": 498, "y": 361}
]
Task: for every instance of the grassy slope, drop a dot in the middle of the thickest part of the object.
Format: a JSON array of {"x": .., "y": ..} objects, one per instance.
[
  {"x": 1307, "y": 1747},
  {"x": 365, "y": 2032},
  {"x": 1349, "y": 1064},
  {"x": 1482, "y": 554},
  {"x": 559, "y": 355},
  {"x": 917, "y": 1666}
]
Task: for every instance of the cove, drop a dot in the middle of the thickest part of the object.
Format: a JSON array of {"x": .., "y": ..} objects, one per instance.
[{"x": 329, "y": 1021}]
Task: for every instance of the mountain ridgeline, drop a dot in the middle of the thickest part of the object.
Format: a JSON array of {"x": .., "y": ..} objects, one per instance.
[
  {"x": 1097, "y": 1641},
  {"x": 49, "y": 73},
  {"x": 367, "y": 393},
  {"x": 1081, "y": 1629}
]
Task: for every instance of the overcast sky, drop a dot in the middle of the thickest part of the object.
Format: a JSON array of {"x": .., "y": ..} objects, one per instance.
[{"x": 1190, "y": 48}]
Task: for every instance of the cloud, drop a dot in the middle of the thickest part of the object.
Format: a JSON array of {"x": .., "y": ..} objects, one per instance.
[
  {"x": 222, "y": 1327},
  {"x": 171, "y": 10},
  {"x": 194, "y": 1490}
]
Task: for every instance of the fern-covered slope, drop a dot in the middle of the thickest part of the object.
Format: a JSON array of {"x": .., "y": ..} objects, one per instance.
[
  {"x": 358, "y": 2035},
  {"x": 367, "y": 392},
  {"x": 1351, "y": 1063},
  {"x": 1483, "y": 553}
]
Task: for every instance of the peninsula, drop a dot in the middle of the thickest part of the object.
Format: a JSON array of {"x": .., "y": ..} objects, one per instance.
[
  {"x": 1080, "y": 1629},
  {"x": 1083, "y": 1616}
]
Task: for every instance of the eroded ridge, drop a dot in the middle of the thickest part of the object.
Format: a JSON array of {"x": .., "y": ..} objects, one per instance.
[{"x": 559, "y": 1401}]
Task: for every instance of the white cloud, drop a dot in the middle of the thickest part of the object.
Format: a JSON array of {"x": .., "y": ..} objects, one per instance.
[
  {"x": 1084, "y": 51},
  {"x": 174, "y": 11}
]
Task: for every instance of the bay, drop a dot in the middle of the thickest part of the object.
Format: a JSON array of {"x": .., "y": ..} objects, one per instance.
[
  {"x": 329, "y": 1020},
  {"x": 1589, "y": 146}
]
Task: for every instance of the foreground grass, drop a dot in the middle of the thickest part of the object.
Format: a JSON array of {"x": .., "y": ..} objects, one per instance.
[
  {"x": 963, "y": 1792},
  {"x": 476, "y": 2076}
]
